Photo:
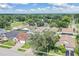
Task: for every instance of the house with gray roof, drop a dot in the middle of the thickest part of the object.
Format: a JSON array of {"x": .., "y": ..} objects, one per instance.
[
  {"x": 2, "y": 34},
  {"x": 17, "y": 35},
  {"x": 12, "y": 34},
  {"x": 2, "y": 31}
]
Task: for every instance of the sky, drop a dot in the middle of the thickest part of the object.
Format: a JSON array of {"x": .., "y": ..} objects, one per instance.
[{"x": 33, "y": 8}]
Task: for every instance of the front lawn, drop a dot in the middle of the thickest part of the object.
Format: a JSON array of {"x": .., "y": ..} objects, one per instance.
[
  {"x": 53, "y": 53},
  {"x": 5, "y": 46},
  {"x": 8, "y": 44},
  {"x": 24, "y": 47}
]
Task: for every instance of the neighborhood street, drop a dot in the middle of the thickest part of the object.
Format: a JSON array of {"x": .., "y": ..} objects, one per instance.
[
  {"x": 14, "y": 52},
  {"x": 9, "y": 52}
]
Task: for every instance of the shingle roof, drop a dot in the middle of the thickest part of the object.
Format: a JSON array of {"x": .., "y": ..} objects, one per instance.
[
  {"x": 2, "y": 30},
  {"x": 22, "y": 36},
  {"x": 11, "y": 34},
  {"x": 68, "y": 41},
  {"x": 67, "y": 29},
  {"x": 41, "y": 29}
]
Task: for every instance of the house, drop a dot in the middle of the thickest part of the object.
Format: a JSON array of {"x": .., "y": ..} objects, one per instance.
[
  {"x": 67, "y": 39},
  {"x": 24, "y": 30},
  {"x": 2, "y": 31},
  {"x": 41, "y": 29},
  {"x": 11, "y": 35},
  {"x": 22, "y": 37},
  {"x": 18, "y": 36},
  {"x": 2, "y": 35}
]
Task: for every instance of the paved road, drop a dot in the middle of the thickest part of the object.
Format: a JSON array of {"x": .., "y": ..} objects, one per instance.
[
  {"x": 9, "y": 52},
  {"x": 12, "y": 52},
  {"x": 29, "y": 52}
]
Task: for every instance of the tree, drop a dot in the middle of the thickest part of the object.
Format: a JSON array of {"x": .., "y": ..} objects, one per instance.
[
  {"x": 31, "y": 22},
  {"x": 64, "y": 22},
  {"x": 40, "y": 23},
  {"x": 77, "y": 39},
  {"x": 44, "y": 42}
]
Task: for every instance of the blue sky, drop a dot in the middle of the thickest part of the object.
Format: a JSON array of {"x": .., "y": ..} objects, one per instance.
[{"x": 25, "y": 8}]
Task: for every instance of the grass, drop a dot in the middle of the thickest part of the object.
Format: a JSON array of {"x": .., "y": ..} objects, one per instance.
[
  {"x": 20, "y": 49},
  {"x": 14, "y": 24},
  {"x": 5, "y": 46},
  {"x": 9, "y": 43},
  {"x": 24, "y": 47},
  {"x": 52, "y": 53}
]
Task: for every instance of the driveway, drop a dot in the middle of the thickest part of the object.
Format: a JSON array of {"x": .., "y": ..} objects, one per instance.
[{"x": 18, "y": 45}]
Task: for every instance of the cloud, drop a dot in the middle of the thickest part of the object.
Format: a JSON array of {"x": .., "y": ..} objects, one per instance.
[
  {"x": 32, "y": 9},
  {"x": 51, "y": 8},
  {"x": 24, "y": 3},
  {"x": 20, "y": 10},
  {"x": 64, "y": 7},
  {"x": 56, "y": 3},
  {"x": 4, "y": 6}
]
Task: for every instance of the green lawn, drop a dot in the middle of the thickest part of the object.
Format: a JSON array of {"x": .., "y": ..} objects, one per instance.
[
  {"x": 21, "y": 49},
  {"x": 8, "y": 44},
  {"x": 52, "y": 53},
  {"x": 14, "y": 24},
  {"x": 5, "y": 46},
  {"x": 24, "y": 47}
]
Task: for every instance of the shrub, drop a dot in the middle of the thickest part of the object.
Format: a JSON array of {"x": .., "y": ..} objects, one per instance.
[
  {"x": 62, "y": 49},
  {"x": 76, "y": 51},
  {"x": 20, "y": 49}
]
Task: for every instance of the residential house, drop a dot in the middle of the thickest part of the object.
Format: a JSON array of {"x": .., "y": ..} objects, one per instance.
[
  {"x": 12, "y": 34},
  {"x": 22, "y": 37},
  {"x": 67, "y": 39},
  {"x": 2, "y": 35},
  {"x": 17, "y": 35},
  {"x": 25, "y": 30},
  {"x": 41, "y": 29}
]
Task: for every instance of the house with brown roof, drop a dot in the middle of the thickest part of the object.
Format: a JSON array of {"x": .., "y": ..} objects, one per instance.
[
  {"x": 67, "y": 39},
  {"x": 22, "y": 37},
  {"x": 17, "y": 35}
]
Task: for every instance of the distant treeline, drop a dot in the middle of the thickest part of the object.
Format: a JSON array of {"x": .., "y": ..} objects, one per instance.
[{"x": 53, "y": 20}]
